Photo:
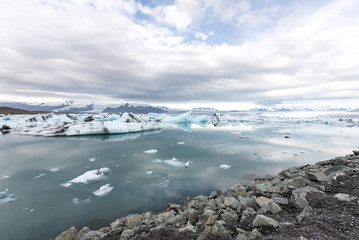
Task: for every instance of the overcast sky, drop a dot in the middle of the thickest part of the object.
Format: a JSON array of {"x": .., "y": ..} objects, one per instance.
[{"x": 223, "y": 54}]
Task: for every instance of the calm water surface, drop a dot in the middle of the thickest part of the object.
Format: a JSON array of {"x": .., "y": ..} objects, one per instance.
[{"x": 42, "y": 208}]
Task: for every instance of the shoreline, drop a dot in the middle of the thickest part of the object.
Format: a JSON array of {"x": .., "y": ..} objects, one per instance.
[{"x": 318, "y": 201}]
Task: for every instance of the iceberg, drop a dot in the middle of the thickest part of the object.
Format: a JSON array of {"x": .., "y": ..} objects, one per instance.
[
  {"x": 89, "y": 176},
  {"x": 54, "y": 170},
  {"x": 174, "y": 162},
  {"x": 103, "y": 190}
]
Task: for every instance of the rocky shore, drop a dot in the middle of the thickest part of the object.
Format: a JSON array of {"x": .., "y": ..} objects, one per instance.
[{"x": 319, "y": 201}]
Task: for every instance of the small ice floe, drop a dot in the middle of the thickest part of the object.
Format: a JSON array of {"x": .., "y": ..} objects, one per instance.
[
  {"x": 150, "y": 151},
  {"x": 103, "y": 190},
  {"x": 157, "y": 161},
  {"x": 6, "y": 197},
  {"x": 302, "y": 151},
  {"x": 174, "y": 162},
  {"x": 29, "y": 209},
  {"x": 89, "y": 176},
  {"x": 180, "y": 143},
  {"x": 224, "y": 166},
  {"x": 123, "y": 155},
  {"x": 235, "y": 133},
  {"x": 40, "y": 175},
  {"x": 54, "y": 170},
  {"x": 5, "y": 177},
  {"x": 83, "y": 201},
  {"x": 149, "y": 171},
  {"x": 92, "y": 159},
  {"x": 129, "y": 180}
]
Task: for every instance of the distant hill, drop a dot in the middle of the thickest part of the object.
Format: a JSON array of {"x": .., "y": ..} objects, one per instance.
[
  {"x": 139, "y": 109},
  {"x": 9, "y": 110}
]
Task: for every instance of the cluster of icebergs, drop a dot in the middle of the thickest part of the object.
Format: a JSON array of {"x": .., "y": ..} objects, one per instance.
[{"x": 54, "y": 124}]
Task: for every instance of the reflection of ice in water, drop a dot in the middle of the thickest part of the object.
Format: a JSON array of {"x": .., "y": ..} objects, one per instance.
[
  {"x": 103, "y": 190},
  {"x": 224, "y": 166},
  {"x": 164, "y": 179},
  {"x": 83, "y": 201},
  {"x": 6, "y": 197}
]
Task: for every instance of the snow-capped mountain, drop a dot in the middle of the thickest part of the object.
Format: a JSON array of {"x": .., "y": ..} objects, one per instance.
[{"x": 73, "y": 106}]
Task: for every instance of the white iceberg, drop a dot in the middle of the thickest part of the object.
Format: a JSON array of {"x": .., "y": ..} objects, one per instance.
[
  {"x": 150, "y": 151},
  {"x": 54, "y": 170},
  {"x": 224, "y": 166},
  {"x": 149, "y": 171},
  {"x": 89, "y": 176},
  {"x": 180, "y": 143},
  {"x": 40, "y": 175},
  {"x": 92, "y": 159},
  {"x": 103, "y": 190}
]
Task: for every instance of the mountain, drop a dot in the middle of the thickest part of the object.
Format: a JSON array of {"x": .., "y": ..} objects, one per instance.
[
  {"x": 136, "y": 108},
  {"x": 73, "y": 106}
]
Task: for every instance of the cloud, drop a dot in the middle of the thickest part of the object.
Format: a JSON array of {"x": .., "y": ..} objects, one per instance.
[{"x": 108, "y": 49}]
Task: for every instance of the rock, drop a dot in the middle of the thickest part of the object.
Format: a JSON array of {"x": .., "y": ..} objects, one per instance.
[
  {"x": 192, "y": 216},
  {"x": 206, "y": 233},
  {"x": 356, "y": 152},
  {"x": 105, "y": 230},
  {"x": 246, "y": 213},
  {"x": 344, "y": 197},
  {"x": 231, "y": 202},
  {"x": 69, "y": 234},
  {"x": 262, "y": 221},
  {"x": 213, "y": 195},
  {"x": 270, "y": 207},
  {"x": 218, "y": 229},
  {"x": 133, "y": 220},
  {"x": 254, "y": 235},
  {"x": 163, "y": 218},
  {"x": 301, "y": 238},
  {"x": 83, "y": 232},
  {"x": 298, "y": 182},
  {"x": 211, "y": 205},
  {"x": 318, "y": 177},
  {"x": 89, "y": 119},
  {"x": 206, "y": 214},
  {"x": 262, "y": 201},
  {"x": 188, "y": 228},
  {"x": 263, "y": 187},
  {"x": 274, "y": 189},
  {"x": 93, "y": 235},
  {"x": 245, "y": 202},
  {"x": 230, "y": 216},
  {"x": 118, "y": 223},
  {"x": 210, "y": 221},
  {"x": 126, "y": 234},
  {"x": 5, "y": 128},
  {"x": 280, "y": 199},
  {"x": 307, "y": 212},
  {"x": 298, "y": 198}
]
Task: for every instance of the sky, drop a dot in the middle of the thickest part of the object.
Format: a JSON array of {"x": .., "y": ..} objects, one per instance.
[{"x": 228, "y": 54}]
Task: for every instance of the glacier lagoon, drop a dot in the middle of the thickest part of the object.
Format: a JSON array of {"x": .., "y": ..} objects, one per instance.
[{"x": 48, "y": 184}]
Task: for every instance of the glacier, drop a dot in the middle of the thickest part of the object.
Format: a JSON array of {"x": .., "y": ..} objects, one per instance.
[{"x": 80, "y": 124}]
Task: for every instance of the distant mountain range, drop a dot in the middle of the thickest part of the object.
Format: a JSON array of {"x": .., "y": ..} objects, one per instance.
[{"x": 73, "y": 106}]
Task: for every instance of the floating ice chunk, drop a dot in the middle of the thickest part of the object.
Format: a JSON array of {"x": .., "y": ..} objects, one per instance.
[
  {"x": 40, "y": 175},
  {"x": 235, "y": 133},
  {"x": 103, "y": 190},
  {"x": 150, "y": 151},
  {"x": 89, "y": 176},
  {"x": 149, "y": 171},
  {"x": 29, "y": 209},
  {"x": 54, "y": 170},
  {"x": 180, "y": 143},
  {"x": 4, "y": 177},
  {"x": 174, "y": 162},
  {"x": 224, "y": 166},
  {"x": 92, "y": 159},
  {"x": 157, "y": 161},
  {"x": 6, "y": 197},
  {"x": 84, "y": 201}
]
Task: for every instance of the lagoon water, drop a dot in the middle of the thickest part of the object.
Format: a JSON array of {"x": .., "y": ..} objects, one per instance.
[{"x": 35, "y": 205}]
